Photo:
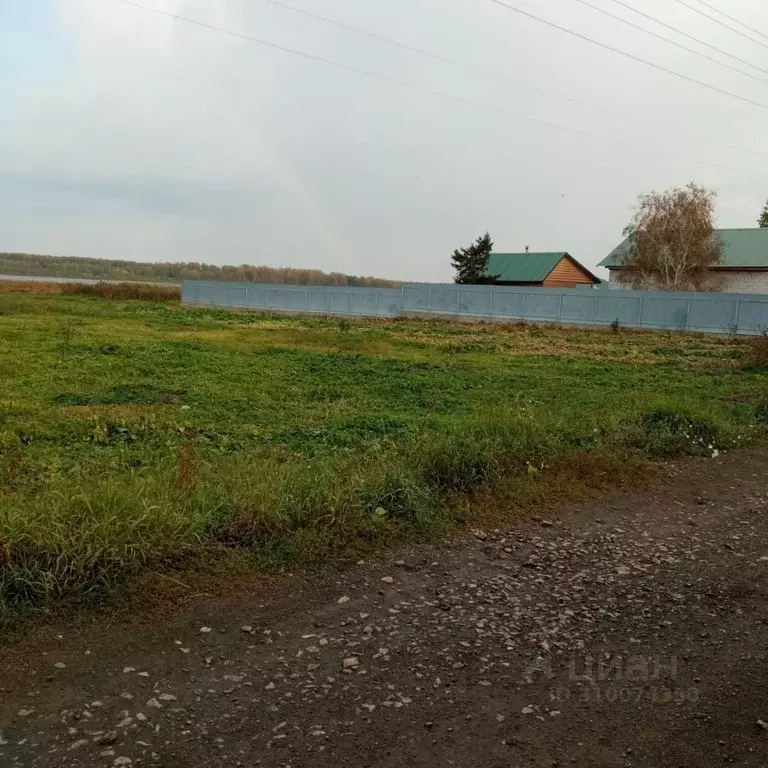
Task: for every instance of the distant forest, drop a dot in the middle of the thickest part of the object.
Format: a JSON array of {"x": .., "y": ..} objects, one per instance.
[{"x": 173, "y": 272}]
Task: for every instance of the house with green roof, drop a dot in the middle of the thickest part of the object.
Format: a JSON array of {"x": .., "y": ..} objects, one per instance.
[
  {"x": 743, "y": 268},
  {"x": 549, "y": 270}
]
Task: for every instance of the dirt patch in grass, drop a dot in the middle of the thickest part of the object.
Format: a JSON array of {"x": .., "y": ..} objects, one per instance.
[
  {"x": 750, "y": 398},
  {"x": 126, "y": 412}
]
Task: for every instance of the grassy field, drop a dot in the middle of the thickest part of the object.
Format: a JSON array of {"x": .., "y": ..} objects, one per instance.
[{"x": 139, "y": 435}]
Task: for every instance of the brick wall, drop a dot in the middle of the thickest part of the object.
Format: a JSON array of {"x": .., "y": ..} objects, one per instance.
[
  {"x": 731, "y": 281},
  {"x": 744, "y": 281}
]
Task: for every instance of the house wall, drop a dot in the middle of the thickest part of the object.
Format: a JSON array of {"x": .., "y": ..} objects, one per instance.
[
  {"x": 567, "y": 274},
  {"x": 727, "y": 281},
  {"x": 744, "y": 281},
  {"x": 613, "y": 280}
]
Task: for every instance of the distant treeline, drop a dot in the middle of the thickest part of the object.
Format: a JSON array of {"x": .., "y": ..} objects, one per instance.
[{"x": 173, "y": 272}]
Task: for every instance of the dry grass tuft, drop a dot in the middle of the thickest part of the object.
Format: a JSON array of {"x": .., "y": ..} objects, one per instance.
[
  {"x": 187, "y": 474},
  {"x": 28, "y": 286},
  {"x": 756, "y": 356},
  {"x": 140, "y": 291}
]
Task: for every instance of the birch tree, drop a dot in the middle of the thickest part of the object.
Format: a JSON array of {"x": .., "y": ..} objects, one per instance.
[{"x": 672, "y": 241}]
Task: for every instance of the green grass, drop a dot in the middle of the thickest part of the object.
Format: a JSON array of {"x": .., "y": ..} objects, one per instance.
[{"x": 138, "y": 435}]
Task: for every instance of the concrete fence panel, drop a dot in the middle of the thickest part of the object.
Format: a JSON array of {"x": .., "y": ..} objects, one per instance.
[
  {"x": 362, "y": 304},
  {"x": 257, "y": 297},
  {"x": 473, "y": 303},
  {"x": 712, "y": 315},
  {"x": 416, "y": 298},
  {"x": 442, "y": 300},
  {"x": 626, "y": 310},
  {"x": 319, "y": 301},
  {"x": 753, "y": 315},
  {"x": 340, "y": 303},
  {"x": 578, "y": 309},
  {"x": 508, "y": 304},
  {"x": 275, "y": 299},
  {"x": 542, "y": 306},
  {"x": 663, "y": 312}
]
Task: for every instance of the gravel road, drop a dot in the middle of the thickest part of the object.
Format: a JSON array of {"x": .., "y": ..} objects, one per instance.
[{"x": 632, "y": 631}]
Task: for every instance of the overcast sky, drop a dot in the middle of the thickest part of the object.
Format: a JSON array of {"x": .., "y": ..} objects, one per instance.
[{"x": 128, "y": 134}]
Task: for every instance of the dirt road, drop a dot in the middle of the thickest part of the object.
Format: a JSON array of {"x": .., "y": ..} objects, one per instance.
[{"x": 629, "y": 632}]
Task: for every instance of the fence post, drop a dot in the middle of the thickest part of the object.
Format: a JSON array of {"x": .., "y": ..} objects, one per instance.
[
  {"x": 458, "y": 301},
  {"x": 429, "y": 299},
  {"x": 738, "y": 310},
  {"x": 229, "y": 296},
  {"x": 306, "y": 300},
  {"x": 560, "y": 309},
  {"x": 247, "y": 294},
  {"x": 687, "y": 314},
  {"x": 640, "y": 312},
  {"x": 490, "y": 304}
]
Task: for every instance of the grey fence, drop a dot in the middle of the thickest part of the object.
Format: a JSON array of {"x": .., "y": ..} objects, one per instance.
[
  {"x": 296, "y": 299},
  {"x": 706, "y": 312}
]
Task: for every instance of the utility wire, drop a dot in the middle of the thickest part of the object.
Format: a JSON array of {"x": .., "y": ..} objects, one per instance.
[
  {"x": 412, "y": 86},
  {"x": 672, "y": 42},
  {"x": 721, "y": 23},
  {"x": 723, "y": 13},
  {"x": 690, "y": 37},
  {"x": 607, "y": 47},
  {"x": 502, "y": 77}
]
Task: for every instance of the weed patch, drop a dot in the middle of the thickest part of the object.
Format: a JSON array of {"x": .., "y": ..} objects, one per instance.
[
  {"x": 353, "y": 432},
  {"x": 664, "y": 433}
]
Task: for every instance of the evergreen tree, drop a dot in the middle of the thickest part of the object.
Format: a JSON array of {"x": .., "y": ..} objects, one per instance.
[
  {"x": 471, "y": 262},
  {"x": 763, "y": 220}
]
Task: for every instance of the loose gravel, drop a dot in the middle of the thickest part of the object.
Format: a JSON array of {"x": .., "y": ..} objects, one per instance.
[{"x": 632, "y": 631}]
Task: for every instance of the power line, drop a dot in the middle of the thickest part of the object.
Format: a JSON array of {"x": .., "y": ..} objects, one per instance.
[
  {"x": 412, "y": 86},
  {"x": 501, "y": 77},
  {"x": 690, "y": 37},
  {"x": 732, "y": 18},
  {"x": 721, "y": 23},
  {"x": 671, "y": 42},
  {"x": 630, "y": 55}
]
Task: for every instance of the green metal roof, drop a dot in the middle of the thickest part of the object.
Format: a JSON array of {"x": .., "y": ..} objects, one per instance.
[
  {"x": 522, "y": 267},
  {"x": 742, "y": 249}
]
